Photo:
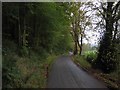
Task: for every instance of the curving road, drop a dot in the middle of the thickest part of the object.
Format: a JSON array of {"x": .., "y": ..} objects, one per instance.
[{"x": 65, "y": 74}]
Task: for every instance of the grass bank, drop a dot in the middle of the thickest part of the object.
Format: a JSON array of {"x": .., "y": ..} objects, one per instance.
[
  {"x": 111, "y": 80},
  {"x": 24, "y": 71}
]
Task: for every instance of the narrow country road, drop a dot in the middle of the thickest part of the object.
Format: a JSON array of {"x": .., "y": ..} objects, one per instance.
[{"x": 65, "y": 74}]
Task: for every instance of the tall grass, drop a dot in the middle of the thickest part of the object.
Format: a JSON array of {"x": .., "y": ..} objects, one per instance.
[{"x": 82, "y": 62}]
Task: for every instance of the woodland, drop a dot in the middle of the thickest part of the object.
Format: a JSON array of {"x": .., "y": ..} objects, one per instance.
[{"x": 34, "y": 34}]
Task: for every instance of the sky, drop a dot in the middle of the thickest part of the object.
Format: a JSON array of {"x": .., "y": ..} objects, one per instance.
[
  {"x": 93, "y": 38},
  {"x": 92, "y": 35}
]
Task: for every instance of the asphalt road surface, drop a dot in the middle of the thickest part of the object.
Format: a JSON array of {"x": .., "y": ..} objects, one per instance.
[{"x": 65, "y": 74}]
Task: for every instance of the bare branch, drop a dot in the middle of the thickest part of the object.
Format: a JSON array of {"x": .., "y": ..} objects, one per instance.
[
  {"x": 100, "y": 12},
  {"x": 115, "y": 8}
]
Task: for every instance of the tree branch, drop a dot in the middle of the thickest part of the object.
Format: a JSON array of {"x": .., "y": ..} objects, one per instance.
[{"x": 115, "y": 8}]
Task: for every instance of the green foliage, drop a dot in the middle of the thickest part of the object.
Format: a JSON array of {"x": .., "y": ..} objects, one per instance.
[
  {"x": 90, "y": 56},
  {"x": 111, "y": 79},
  {"x": 24, "y": 71},
  {"x": 108, "y": 61},
  {"x": 107, "y": 56},
  {"x": 32, "y": 34},
  {"x": 9, "y": 58},
  {"x": 38, "y": 25},
  {"x": 8, "y": 46},
  {"x": 80, "y": 60},
  {"x": 24, "y": 51}
]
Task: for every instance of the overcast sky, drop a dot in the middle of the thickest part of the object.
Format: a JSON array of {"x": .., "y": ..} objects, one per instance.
[{"x": 92, "y": 35}]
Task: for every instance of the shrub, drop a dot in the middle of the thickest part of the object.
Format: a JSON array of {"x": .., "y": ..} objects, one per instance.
[
  {"x": 107, "y": 62},
  {"x": 81, "y": 60},
  {"x": 90, "y": 56},
  {"x": 8, "y": 47},
  {"x": 24, "y": 51},
  {"x": 10, "y": 72}
]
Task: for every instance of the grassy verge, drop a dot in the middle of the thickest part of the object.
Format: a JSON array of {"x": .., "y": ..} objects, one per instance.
[
  {"x": 79, "y": 60},
  {"x": 26, "y": 71},
  {"x": 111, "y": 80}
]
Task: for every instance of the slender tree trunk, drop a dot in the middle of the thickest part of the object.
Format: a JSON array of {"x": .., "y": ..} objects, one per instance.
[
  {"x": 76, "y": 43},
  {"x": 115, "y": 31},
  {"x": 19, "y": 27},
  {"x": 21, "y": 19},
  {"x": 81, "y": 42},
  {"x": 75, "y": 48},
  {"x": 74, "y": 28},
  {"x": 79, "y": 45},
  {"x": 24, "y": 26}
]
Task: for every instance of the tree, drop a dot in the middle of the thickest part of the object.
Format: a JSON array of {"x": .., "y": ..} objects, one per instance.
[
  {"x": 36, "y": 25},
  {"x": 33, "y": 28},
  {"x": 78, "y": 22},
  {"x": 106, "y": 59}
]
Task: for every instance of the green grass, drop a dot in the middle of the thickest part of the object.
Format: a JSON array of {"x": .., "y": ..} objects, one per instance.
[
  {"x": 28, "y": 73},
  {"x": 80, "y": 60},
  {"x": 50, "y": 60}
]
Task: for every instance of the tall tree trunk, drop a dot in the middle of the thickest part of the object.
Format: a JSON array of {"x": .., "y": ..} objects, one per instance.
[
  {"x": 76, "y": 43},
  {"x": 24, "y": 26},
  {"x": 81, "y": 42},
  {"x": 75, "y": 36},
  {"x": 19, "y": 27},
  {"x": 115, "y": 31},
  {"x": 105, "y": 56},
  {"x": 75, "y": 48}
]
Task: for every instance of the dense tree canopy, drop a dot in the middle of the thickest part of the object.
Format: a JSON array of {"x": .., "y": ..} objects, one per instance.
[{"x": 36, "y": 25}]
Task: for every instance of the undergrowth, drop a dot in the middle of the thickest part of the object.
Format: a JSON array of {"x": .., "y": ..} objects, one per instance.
[{"x": 26, "y": 70}]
